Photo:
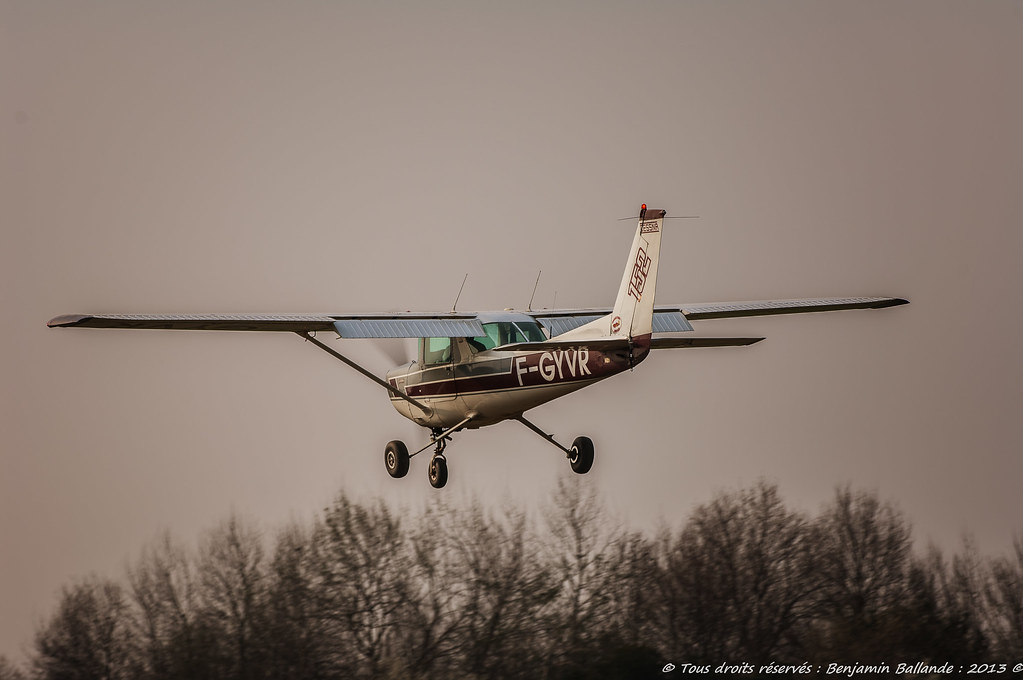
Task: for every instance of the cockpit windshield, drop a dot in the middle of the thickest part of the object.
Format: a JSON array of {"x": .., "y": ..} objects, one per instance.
[{"x": 507, "y": 332}]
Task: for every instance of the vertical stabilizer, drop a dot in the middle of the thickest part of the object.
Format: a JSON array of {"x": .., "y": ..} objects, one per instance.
[
  {"x": 634, "y": 307},
  {"x": 633, "y": 313}
]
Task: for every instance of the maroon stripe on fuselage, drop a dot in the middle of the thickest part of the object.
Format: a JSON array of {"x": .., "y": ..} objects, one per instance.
[{"x": 537, "y": 369}]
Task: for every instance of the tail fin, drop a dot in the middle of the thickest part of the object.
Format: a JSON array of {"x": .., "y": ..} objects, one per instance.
[
  {"x": 633, "y": 313},
  {"x": 634, "y": 308}
]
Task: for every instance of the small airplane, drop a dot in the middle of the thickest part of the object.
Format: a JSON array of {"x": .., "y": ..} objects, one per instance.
[{"x": 480, "y": 368}]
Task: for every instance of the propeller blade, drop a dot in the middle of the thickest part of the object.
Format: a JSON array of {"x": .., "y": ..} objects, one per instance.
[{"x": 399, "y": 351}]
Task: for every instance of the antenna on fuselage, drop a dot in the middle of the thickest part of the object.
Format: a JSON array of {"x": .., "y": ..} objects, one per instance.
[
  {"x": 455, "y": 303},
  {"x": 529, "y": 307}
]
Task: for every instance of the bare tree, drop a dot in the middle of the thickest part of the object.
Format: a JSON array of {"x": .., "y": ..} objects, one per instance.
[
  {"x": 506, "y": 589},
  {"x": 738, "y": 582},
  {"x": 433, "y": 614},
  {"x": 632, "y": 584},
  {"x": 1004, "y": 596},
  {"x": 864, "y": 561},
  {"x": 87, "y": 638},
  {"x": 297, "y": 644},
  {"x": 360, "y": 565},
  {"x": 232, "y": 595},
  {"x": 580, "y": 545},
  {"x": 941, "y": 610},
  {"x": 166, "y": 631}
]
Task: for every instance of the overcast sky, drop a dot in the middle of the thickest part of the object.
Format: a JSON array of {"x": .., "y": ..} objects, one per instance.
[{"x": 344, "y": 156}]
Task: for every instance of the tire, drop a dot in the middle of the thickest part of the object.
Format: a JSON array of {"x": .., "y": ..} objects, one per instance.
[
  {"x": 438, "y": 472},
  {"x": 396, "y": 458},
  {"x": 582, "y": 455}
]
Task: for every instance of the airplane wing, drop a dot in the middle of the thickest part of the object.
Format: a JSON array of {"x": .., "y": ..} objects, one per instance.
[
  {"x": 373, "y": 325},
  {"x": 725, "y": 310},
  {"x": 676, "y": 318}
]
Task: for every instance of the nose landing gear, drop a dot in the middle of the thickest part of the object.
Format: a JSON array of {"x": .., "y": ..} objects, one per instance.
[{"x": 397, "y": 457}]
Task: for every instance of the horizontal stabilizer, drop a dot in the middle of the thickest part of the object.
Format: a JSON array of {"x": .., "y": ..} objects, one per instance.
[{"x": 682, "y": 343}]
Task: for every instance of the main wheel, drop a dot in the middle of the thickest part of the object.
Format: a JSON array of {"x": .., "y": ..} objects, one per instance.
[
  {"x": 582, "y": 455},
  {"x": 438, "y": 472},
  {"x": 396, "y": 458}
]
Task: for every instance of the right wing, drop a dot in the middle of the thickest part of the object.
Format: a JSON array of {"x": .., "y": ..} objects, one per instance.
[{"x": 373, "y": 325}]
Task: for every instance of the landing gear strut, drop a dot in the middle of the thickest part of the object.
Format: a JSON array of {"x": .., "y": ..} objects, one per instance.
[
  {"x": 437, "y": 471},
  {"x": 580, "y": 456}
]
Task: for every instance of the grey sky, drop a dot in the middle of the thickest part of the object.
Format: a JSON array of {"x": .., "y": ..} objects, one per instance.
[{"x": 332, "y": 156}]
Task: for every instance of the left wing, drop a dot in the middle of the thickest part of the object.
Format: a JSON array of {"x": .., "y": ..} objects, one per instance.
[
  {"x": 727, "y": 310},
  {"x": 676, "y": 318}
]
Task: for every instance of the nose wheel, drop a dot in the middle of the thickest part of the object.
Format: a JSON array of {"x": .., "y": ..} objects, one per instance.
[{"x": 438, "y": 471}]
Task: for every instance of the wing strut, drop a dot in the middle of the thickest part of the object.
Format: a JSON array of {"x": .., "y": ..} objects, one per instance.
[{"x": 383, "y": 383}]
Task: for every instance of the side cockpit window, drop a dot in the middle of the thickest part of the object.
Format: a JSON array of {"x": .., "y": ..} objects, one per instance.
[
  {"x": 436, "y": 350},
  {"x": 532, "y": 331}
]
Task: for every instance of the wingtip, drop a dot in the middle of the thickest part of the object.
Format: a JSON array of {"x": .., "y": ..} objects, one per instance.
[{"x": 65, "y": 320}]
